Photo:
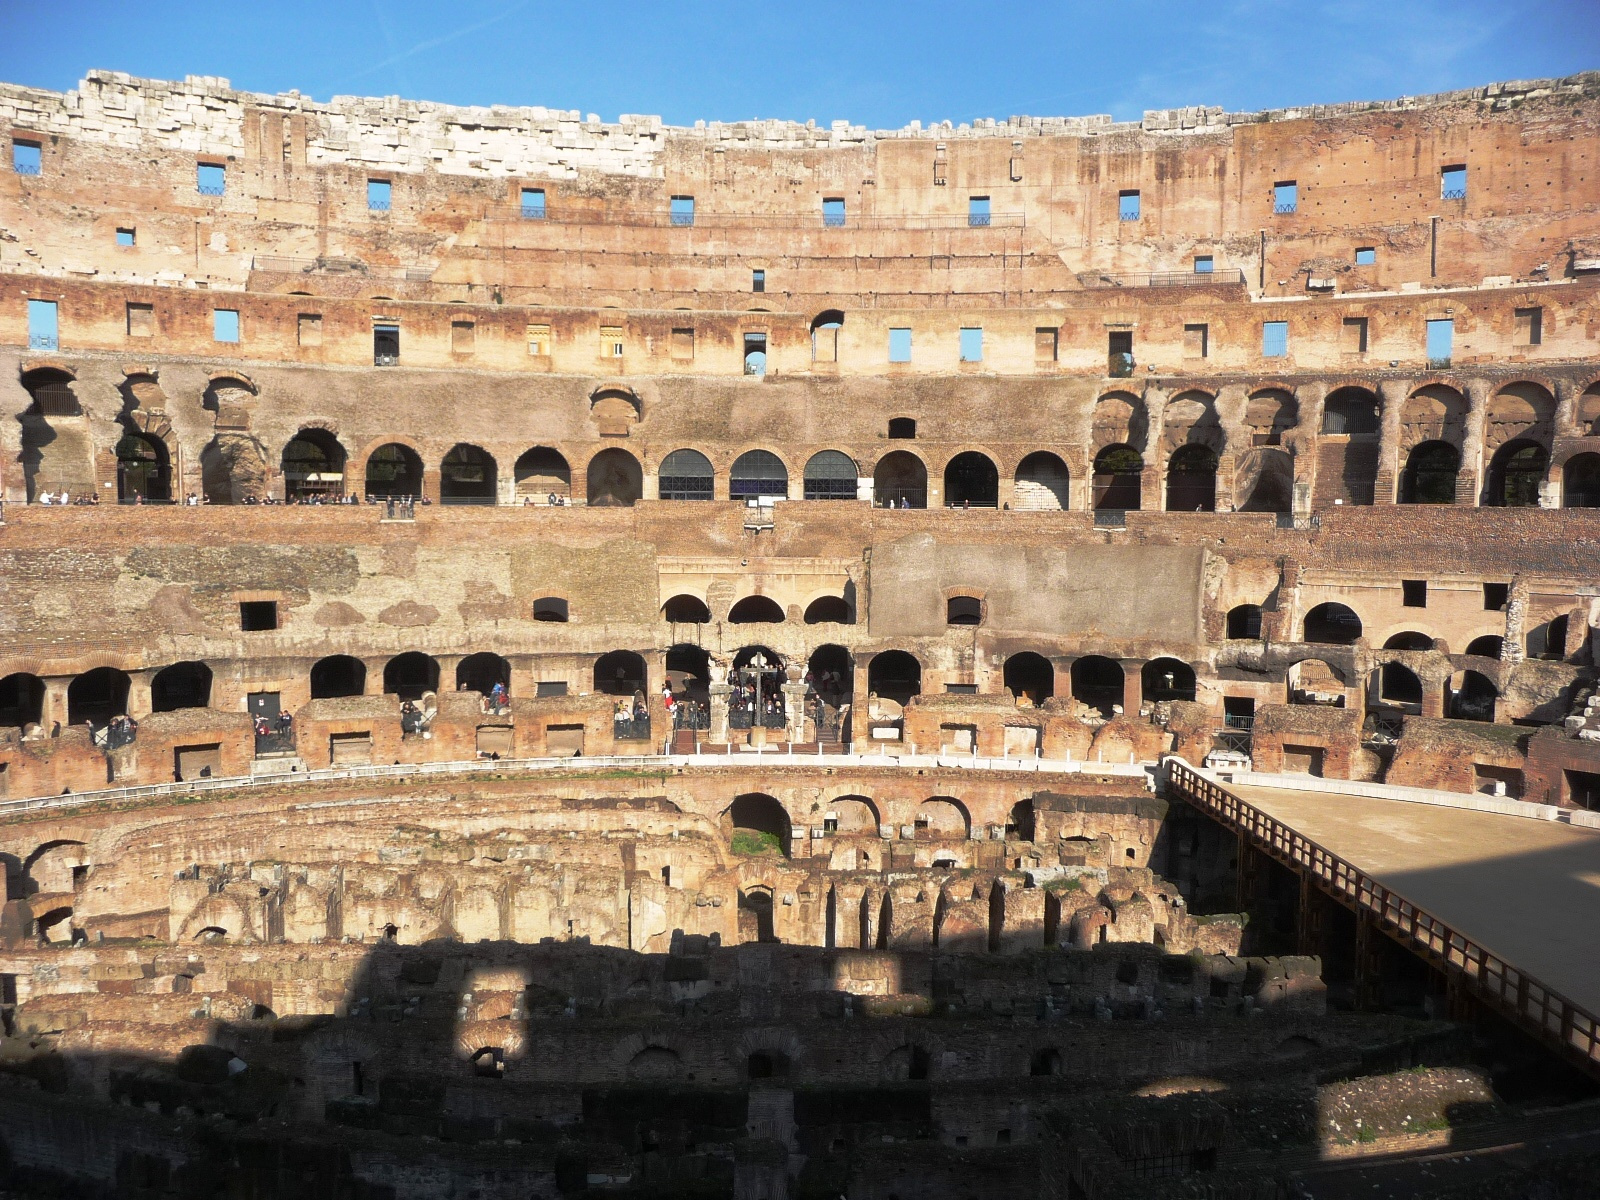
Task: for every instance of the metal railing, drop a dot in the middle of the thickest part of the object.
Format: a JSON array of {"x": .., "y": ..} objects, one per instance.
[
  {"x": 1567, "y": 1027},
  {"x": 275, "y": 743},
  {"x": 1111, "y": 518},
  {"x": 634, "y": 730},
  {"x": 710, "y": 220},
  {"x": 691, "y": 714},
  {"x": 43, "y": 341},
  {"x": 744, "y": 718},
  {"x": 1453, "y": 193},
  {"x": 1285, "y": 210},
  {"x": 1237, "y": 741},
  {"x": 1163, "y": 279},
  {"x": 211, "y": 189}
]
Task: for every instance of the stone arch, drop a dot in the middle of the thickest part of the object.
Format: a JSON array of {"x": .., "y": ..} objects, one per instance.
[
  {"x": 1587, "y": 411},
  {"x": 655, "y": 1064},
  {"x": 1515, "y": 473},
  {"x": 1190, "y": 419},
  {"x": 144, "y": 468},
  {"x": 393, "y": 470},
  {"x": 620, "y": 673},
  {"x": 825, "y": 610},
  {"x": 338, "y": 675},
  {"x": 1580, "y": 481},
  {"x": 758, "y": 474},
  {"x": 1351, "y": 410},
  {"x": 852, "y": 814},
  {"x": 181, "y": 685},
  {"x": 1097, "y": 682},
  {"x": 1270, "y": 413},
  {"x": 900, "y": 480},
  {"x": 761, "y": 817},
  {"x": 411, "y": 675},
  {"x": 1522, "y": 409},
  {"x": 96, "y": 696},
  {"x": 1041, "y": 483},
  {"x": 756, "y": 610},
  {"x": 825, "y": 327},
  {"x": 943, "y": 817},
  {"x": 1399, "y": 684},
  {"x": 1118, "y": 478},
  {"x": 542, "y": 472},
  {"x": 831, "y": 475},
  {"x": 1163, "y": 679},
  {"x": 1471, "y": 696},
  {"x": 686, "y": 610},
  {"x": 686, "y": 475},
  {"x": 1244, "y": 623},
  {"x": 481, "y": 671},
  {"x": 1489, "y": 645},
  {"x": 1332, "y": 624},
  {"x": 313, "y": 466},
  {"x": 894, "y": 675},
  {"x": 1192, "y": 479},
  {"x": 1265, "y": 478},
  {"x": 615, "y": 410},
  {"x": 21, "y": 700},
  {"x": 1313, "y": 681},
  {"x": 971, "y": 480},
  {"x": 1119, "y": 418},
  {"x": 1433, "y": 412},
  {"x": 468, "y": 474},
  {"x": 614, "y": 479},
  {"x": 1030, "y": 675},
  {"x": 1430, "y": 474},
  {"x": 1409, "y": 639}
]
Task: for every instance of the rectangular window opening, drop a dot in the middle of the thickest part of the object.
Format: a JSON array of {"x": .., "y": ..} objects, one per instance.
[
  {"x": 1495, "y": 596},
  {"x": 141, "y": 320},
  {"x": 1529, "y": 327},
  {"x": 1045, "y": 345},
  {"x": 308, "y": 329},
  {"x": 899, "y": 345},
  {"x": 258, "y": 616},
  {"x": 683, "y": 210},
  {"x": 533, "y": 204},
  {"x": 758, "y": 281},
  {"x": 126, "y": 237},
  {"x": 978, "y": 210},
  {"x": 1274, "y": 339},
  {"x": 1353, "y": 335},
  {"x": 972, "y": 345},
  {"x": 1366, "y": 255},
  {"x": 1196, "y": 339},
  {"x": 833, "y": 211},
  {"x": 539, "y": 340},
  {"x": 611, "y": 344},
  {"x": 44, "y": 328},
  {"x": 27, "y": 157},
  {"x": 210, "y": 179},
  {"x": 1285, "y": 197},
  {"x": 1128, "y": 206},
  {"x": 1441, "y": 341},
  {"x": 683, "y": 344},
  {"x": 550, "y": 687},
  {"x": 379, "y": 194},
  {"x": 1204, "y": 264},
  {"x": 1119, "y": 353},
  {"x": 1414, "y": 593},
  {"x": 385, "y": 345},
  {"x": 1453, "y": 182},
  {"x": 755, "y": 354},
  {"x": 463, "y": 337},
  {"x": 225, "y": 325}
]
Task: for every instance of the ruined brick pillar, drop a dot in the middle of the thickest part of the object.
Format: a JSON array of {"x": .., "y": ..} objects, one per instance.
[
  {"x": 54, "y": 708},
  {"x": 1512, "y": 648},
  {"x": 1392, "y": 393},
  {"x": 139, "y": 694},
  {"x": 719, "y": 713},
  {"x": 1152, "y": 493},
  {"x": 1469, "y": 480},
  {"x": 794, "y": 703},
  {"x": 1132, "y": 685}
]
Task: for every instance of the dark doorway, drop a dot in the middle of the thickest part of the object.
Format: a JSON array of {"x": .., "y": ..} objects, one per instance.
[
  {"x": 1118, "y": 479},
  {"x": 394, "y": 470},
  {"x": 338, "y": 675},
  {"x": 1192, "y": 480},
  {"x": 894, "y": 675},
  {"x": 1430, "y": 474},
  {"x": 96, "y": 696},
  {"x": 480, "y": 672},
  {"x": 467, "y": 476},
  {"x": 615, "y": 479},
  {"x": 21, "y": 701},
  {"x": 1031, "y": 675},
  {"x": 182, "y": 685},
  {"x": 411, "y": 674},
  {"x": 971, "y": 480},
  {"x": 144, "y": 473},
  {"x": 313, "y": 466},
  {"x": 1515, "y": 473},
  {"x": 619, "y": 673},
  {"x": 1098, "y": 683}
]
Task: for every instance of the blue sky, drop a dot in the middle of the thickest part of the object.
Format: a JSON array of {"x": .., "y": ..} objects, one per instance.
[{"x": 878, "y": 64}]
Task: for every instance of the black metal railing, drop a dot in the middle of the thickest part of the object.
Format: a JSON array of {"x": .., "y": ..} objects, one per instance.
[
  {"x": 1453, "y": 193},
  {"x": 210, "y": 189},
  {"x": 635, "y": 729},
  {"x": 399, "y": 510},
  {"x": 900, "y": 497},
  {"x": 1111, "y": 518},
  {"x": 1163, "y": 279},
  {"x": 690, "y": 714},
  {"x": 275, "y": 742},
  {"x": 1235, "y": 740},
  {"x": 741, "y": 717},
  {"x": 43, "y": 341},
  {"x": 1238, "y": 721},
  {"x": 1284, "y": 210}
]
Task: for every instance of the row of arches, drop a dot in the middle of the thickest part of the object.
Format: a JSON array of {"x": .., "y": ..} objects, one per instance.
[{"x": 1335, "y": 624}]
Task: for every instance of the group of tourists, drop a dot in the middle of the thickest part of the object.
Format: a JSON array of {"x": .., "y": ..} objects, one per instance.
[
  {"x": 551, "y": 501},
  {"x": 120, "y": 731},
  {"x": 64, "y": 497},
  {"x": 282, "y": 725}
]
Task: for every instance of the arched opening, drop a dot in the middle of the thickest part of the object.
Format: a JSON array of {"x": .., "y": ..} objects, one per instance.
[
  {"x": 1097, "y": 682},
  {"x": 1548, "y": 640},
  {"x": 756, "y": 610},
  {"x": 943, "y": 817},
  {"x": 825, "y": 335},
  {"x": 906, "y": 1064},
  {"x": 894, "y": 675},
  {"x": 96, "y": 696},
  {"x": 963, "y": 610},
  {"x": 410, "y": 675},
  {"x": 1164, "y": 679},
  {"x": 1409, "y": 640},
  {"x": 900, "y": 481},
  {"x": 1042, "y": 483},
  {"x": 655, "y": 1065},
  {"x": 1472, "y": 697},
  {"x": 1118, "y": 479},
  {"x": 1580, "y": 481},
  {"x": 830, "y": 475},
  {"x": 543, "y": 476},
  {"x": 489, "y": 1063},
  {"x": 1430, "y": 474},
  {"x": 1029, "y": 675},
  {"x": 829, "y": 610},
  {"x": 21, "y": 701},
  {"x": 1398, "y": 684},
  {"x": 553, "y": 609},
  {"x": 1269, "y": 415},
  {"x": 313, "y": 466},
  {"x": 1350, "y": 410},
  {"x": 615, "y": 479},
  {"x": 686, "y": 610},
  {"x": 480, "y": 672},
  {"x": 1490, "y": 645},
  {"x": 689, "y": 672},
  {"x": 1244, "y": 623},
  {"x": 620, "y": 673},
  {"x": 771, "y": 660},
  {"x": 338, "y": 675},
  {"x": 757, "y": 475},
  {"x": 766, "y": 1064},
  {"x": 1313, "y": 682},
  {"x": 1332, "y": 624},
  {"x": 755, "y": 916},
  {"x": 971, "y": 480},
  {"x": 757, "y": 824},
  {"x": 394, "y": 471},
  {"x": 1265, "y": 479},
  {"x": 182, "y": 685},
  {"x": 848, "y": 815},
  {"x": 1192, "y": 480},
  {"x": 1046, "y": 1062},
  {"x": 233, "y": 469},
  {"x": 144, "y": 472},
  {"x": 1515, "y": 473},
  {"x": 832, "y": 673},
  {"x": 1022, "y": 821},
  {"x": 468, "y": 475},
  {"x": 686, "y": 475},
  {"x": 52, "y": 393}
]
